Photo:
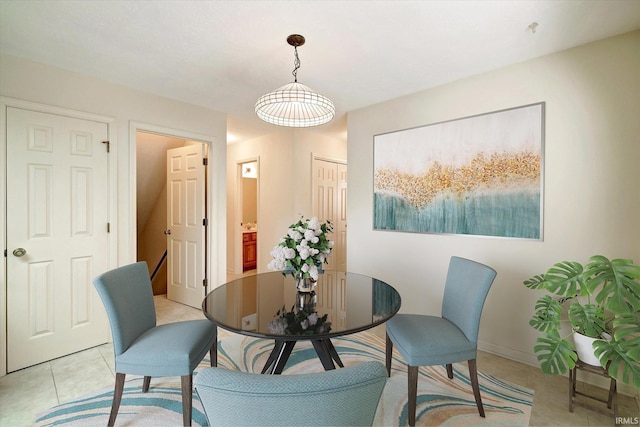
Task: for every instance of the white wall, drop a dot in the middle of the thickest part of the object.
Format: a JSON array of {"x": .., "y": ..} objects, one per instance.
[
  {"x": 591, "y": 191},
  {"x": 284, "y": 184}
]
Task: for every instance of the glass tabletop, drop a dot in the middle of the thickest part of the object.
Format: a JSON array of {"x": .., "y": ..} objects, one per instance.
[{"x": 268, "y": 305}]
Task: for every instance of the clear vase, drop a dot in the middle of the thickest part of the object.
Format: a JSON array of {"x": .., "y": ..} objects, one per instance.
[
  {"x": 306, "y": 301},
  {"x": 304, "y": 284}
]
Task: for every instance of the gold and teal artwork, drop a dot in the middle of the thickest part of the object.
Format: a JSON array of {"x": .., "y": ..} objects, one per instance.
[{"x": 478, "y": 175}]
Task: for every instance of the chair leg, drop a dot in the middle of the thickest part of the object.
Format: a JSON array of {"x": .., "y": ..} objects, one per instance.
[
  {"x": 213, "y": 353},
  {"x": 473, "y": 376},
  {"x": 145, "y": 384},
  {"x": 117, "y": 397},
  {"x": 413, "y": 393},
  {"x": 389, "y": 355},
  {"x": 450, "y": 371},
  {"x": 187, "y": 387}
]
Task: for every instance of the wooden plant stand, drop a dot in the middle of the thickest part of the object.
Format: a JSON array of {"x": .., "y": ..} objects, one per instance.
[{"x": 613, "y": 393}]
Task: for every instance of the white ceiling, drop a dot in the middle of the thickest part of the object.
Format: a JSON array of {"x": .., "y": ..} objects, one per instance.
[{"x": 225, "y": 54}]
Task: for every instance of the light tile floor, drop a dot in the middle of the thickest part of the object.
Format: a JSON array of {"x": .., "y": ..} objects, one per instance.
[{"x": 27, "y": 393}]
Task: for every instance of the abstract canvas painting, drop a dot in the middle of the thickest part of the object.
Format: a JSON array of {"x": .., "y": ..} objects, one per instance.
[{"x": 478, "y": 175}]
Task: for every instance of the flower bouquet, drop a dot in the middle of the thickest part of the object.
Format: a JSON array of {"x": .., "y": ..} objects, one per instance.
[{"x": 303, "y": 250}]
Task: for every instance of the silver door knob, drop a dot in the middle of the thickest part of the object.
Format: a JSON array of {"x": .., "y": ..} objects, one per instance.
[{"x": 19, "y": 252}]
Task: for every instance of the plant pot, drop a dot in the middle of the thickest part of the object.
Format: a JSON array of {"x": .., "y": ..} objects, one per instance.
[{"x": 584, "y": 348}]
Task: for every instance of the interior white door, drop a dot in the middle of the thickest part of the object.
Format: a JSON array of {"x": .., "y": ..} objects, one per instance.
[
  {"x": 57, "y": 235},
  {"x": 185, "y": 225},
  {"x": 329, "y": 202}
]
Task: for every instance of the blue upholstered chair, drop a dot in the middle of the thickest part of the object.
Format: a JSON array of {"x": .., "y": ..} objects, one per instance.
[
  {"x": 431, "y": 340},
  {"x": 346, "y": 396},
  {"x": 143, "y": 348}
]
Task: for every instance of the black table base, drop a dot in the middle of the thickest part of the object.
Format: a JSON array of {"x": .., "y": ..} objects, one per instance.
[{"x": 282, "y": 350}]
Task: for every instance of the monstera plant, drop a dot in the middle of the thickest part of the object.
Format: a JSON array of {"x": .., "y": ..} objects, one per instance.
[{"x": 601, "y": 300}]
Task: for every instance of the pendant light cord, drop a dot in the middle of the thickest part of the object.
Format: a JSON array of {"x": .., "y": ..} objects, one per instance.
[{"x": 296, "y": 64}]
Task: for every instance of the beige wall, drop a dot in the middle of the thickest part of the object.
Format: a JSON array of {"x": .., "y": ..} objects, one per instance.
[
  {"x": 591, "y": 191},
  {"x": 152, "y": 243},
  {"x": 284, "y": 184}
]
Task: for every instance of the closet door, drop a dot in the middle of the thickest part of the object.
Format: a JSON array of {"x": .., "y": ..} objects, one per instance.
[
  {"x": 57, "y": 235},
  {"x": 329, "y": 202}
]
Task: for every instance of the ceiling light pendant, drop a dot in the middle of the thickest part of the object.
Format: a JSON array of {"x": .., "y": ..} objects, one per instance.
[{"x": 294, "y": 104}]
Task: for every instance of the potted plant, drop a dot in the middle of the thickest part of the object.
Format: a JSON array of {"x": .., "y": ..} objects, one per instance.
[{"x": 601, "y": 297}]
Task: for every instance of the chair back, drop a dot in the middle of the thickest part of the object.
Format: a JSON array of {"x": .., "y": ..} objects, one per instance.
[
  {"x": 347, "y": 396},
  {"x": 128, "y": 299},
  {"x": 465, "y": 291}
]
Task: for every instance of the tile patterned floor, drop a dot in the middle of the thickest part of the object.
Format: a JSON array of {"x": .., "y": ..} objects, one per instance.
[{"x": 28, "y": 392}]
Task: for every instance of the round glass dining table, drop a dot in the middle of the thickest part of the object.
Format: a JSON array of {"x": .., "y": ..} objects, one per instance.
[{"x": 268, "y": 305}]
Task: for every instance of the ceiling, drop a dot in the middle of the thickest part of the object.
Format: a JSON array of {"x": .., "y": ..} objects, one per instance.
[{"x": 225, "y": 54}]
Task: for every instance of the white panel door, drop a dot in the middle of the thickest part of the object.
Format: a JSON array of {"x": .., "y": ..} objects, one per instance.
[
  {"x": 185, "y": 225},
  {"x": 329, "y": 202},
  {"x": 57, "y": 237}
]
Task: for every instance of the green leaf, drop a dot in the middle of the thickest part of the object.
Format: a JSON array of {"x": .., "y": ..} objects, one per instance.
[
  {"x": 564, "y": 278},
  {"x": 621, "y": 366},
  {"x": 588, "y": 319},
  {"x": 620, "y": 282},
  {"x": 536, "y": 282},
  {"x": 627, "y": 334},
  {"x": 547, "y": 315},
  {"x": 556, "y": 355}
]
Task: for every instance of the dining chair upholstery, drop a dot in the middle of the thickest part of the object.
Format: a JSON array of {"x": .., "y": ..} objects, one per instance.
[
  {"x": 143, "y": 348},
  {"x": 424, "y": 340},
  {"x": 346, "y": 396}
]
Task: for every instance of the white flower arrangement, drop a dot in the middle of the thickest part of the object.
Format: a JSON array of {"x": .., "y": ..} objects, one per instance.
[{"x": 304, "y": 249}]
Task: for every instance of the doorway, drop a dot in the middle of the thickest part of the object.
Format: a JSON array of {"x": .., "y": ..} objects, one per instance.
[
  {"x": 195, "y": 281},
  {"x": 151, "y": 204},
  {"x": 247, "y": 202}
]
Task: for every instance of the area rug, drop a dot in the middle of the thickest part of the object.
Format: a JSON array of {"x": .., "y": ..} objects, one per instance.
[{"x": 441, "y": 401}]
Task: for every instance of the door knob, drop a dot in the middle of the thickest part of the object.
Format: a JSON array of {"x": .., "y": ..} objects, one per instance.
[
  {"x": 19, "y": 252},
  {"x": 167, "y": 232}
]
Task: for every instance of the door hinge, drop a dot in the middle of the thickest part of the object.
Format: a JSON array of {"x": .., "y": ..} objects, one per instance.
[
  {"x": 5, "y": 253},
  {"x": 205, "y": 161},
  {"x": 108, "y": 145},
  {"x": 205, "y": 222},
  {"x": 108, "y": 227},
  {"x": 204, "y": 283}
]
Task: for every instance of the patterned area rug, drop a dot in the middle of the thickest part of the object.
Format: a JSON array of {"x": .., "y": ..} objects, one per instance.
[{"x": 441, "y": 401}]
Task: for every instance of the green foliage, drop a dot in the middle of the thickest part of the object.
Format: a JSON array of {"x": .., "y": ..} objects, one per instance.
[
  {"x": 587, "y": 319},
  {"x": 547, "y": 315},
  {"x": 555, "y": 354},
  {"x": 564, "y": 279},
  {"x": 604, "y": 296},
  {"x": 536, "y": 282},
  {"x": 619, "y": 363},
  {"x": 627, "y": 332},
  {"x": 619, "y": 280}
]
